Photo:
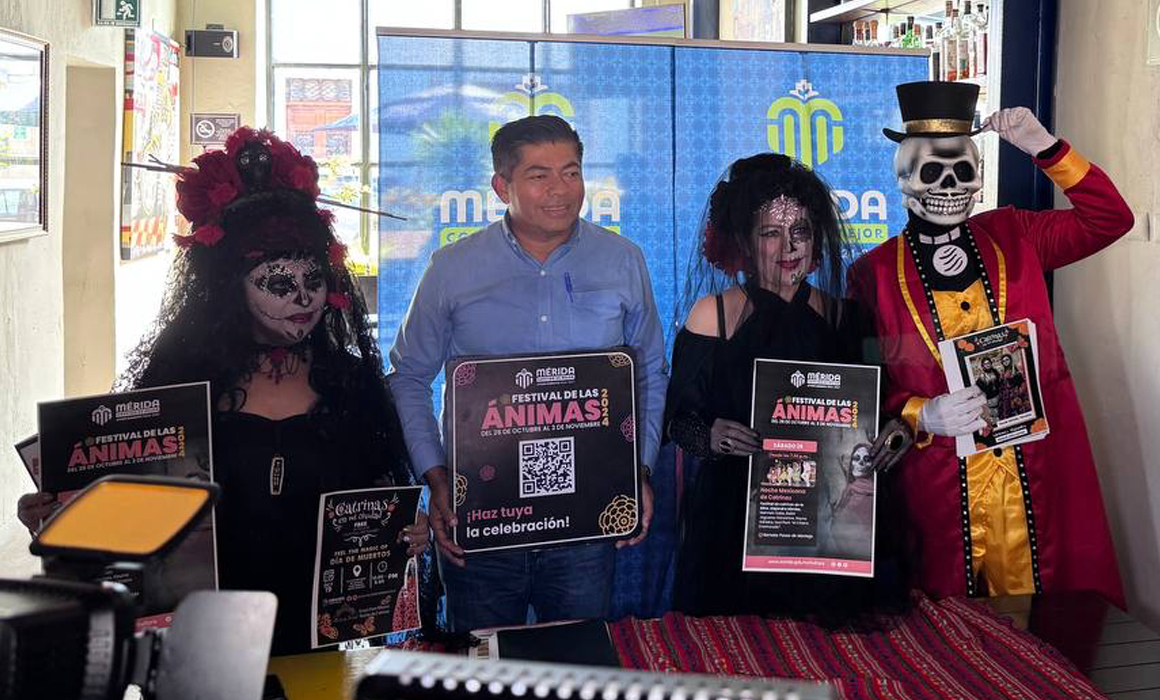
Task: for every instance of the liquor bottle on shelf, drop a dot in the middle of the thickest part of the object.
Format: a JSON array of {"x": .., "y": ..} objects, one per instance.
[
  {"x": 982, "y": 19},
  {"x": 950, "y": 45},
  {"x": 909, "y": 40},
  {"x": 968, "y": 33},
  {"x": 934, "y": 43},
  {"x": 962, "y": 47}
]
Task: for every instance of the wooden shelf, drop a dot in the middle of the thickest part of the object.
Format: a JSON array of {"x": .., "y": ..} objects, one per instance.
[{"x": 853, "y": 10}]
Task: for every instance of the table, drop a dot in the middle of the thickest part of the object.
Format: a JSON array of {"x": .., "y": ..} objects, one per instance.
[
  {"x": 1118, "y": 653},
  {"x": 330, "y": 675}
]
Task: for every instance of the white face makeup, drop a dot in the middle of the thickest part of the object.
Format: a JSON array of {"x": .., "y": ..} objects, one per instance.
[
  {"x": 783, "y": 245},
  {"x": 286, "y": 297},
  {"x": 860, "y": 462}
]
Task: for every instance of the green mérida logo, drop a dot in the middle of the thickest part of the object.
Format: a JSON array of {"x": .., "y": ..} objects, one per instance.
[
  {"x": 810, "y": 128},
  {"x": 805, "y": 126},
  {"x": 530, "y": 98}
]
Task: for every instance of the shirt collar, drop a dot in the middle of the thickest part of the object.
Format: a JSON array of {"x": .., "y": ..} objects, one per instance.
[{"x": 573, "y": 239}]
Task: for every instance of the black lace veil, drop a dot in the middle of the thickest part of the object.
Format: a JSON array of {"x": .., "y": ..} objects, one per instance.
[{"x": 723, "y": 256}]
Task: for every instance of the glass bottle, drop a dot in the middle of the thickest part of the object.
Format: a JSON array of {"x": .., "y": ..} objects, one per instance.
[
  {"x": 910, "y": 40},
  {"x": 962, "y": 48},
  {"x": 968, "y": 34},
  {"x": 982, "y": 20},
  {"x": 933, "y": 42},
  {"x": 950, "y": 46}
]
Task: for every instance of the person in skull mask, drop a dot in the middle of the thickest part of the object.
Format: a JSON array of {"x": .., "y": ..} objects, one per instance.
[
  {"x": 1013, "y": 520},
  {"x": 260, "y": 303}
]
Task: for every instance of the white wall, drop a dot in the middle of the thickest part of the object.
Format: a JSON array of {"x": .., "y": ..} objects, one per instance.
[
  {"x": 72, "y": 275},
  {"x": 218, "y": 85},
  {"x": 1108, "y": 307},
  {"x": 32, "y": 274},
  {"x": 88, "y": 239}
]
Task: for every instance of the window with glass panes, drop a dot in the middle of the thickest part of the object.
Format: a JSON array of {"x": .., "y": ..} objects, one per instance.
[{"x": 321, "y": 75}]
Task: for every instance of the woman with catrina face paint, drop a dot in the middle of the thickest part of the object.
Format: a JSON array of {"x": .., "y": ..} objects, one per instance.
[
  {"x": 260, "y": 303},
  {"x": 766, "y": 282}
]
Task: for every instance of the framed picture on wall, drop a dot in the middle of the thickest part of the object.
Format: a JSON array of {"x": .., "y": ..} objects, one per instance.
[{"x": 23, "y": 136}]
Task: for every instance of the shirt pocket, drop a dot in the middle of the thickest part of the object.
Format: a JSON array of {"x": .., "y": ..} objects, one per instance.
[{"x": 596, "y": 318}]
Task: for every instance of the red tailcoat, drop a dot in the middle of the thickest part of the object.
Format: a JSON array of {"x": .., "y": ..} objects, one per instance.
[{"x": 1072, "y": 546}]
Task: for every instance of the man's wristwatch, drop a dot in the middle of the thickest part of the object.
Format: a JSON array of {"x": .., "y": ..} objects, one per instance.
[{"x": 646, "y": 471}]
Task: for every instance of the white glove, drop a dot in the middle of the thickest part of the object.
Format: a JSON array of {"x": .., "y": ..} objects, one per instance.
[
  {"x": 954, "y": 414},
  {"x": 1019, "y": 127}
]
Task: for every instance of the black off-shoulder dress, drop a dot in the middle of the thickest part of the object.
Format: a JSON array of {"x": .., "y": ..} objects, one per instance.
[{"x": 712, "y": 378}]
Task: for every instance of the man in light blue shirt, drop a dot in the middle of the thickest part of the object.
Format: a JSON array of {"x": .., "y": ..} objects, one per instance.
[{"x": 541, "y": 280}]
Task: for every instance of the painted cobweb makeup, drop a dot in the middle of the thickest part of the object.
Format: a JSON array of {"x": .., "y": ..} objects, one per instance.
[
  {"x": 783, "y": 242},
  {"x": 286, "y": 297}
]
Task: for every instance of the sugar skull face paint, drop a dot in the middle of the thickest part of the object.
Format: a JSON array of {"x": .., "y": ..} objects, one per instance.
[
  {"x": 286, "y": 297},
  {"x": 783, "y": 244}
]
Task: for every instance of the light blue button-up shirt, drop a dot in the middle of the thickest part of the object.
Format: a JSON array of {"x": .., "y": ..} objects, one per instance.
[{"x": 486, "y": 295}]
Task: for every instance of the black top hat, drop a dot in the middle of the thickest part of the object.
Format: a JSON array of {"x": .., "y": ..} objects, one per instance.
[{"x": 935, "y": 109}]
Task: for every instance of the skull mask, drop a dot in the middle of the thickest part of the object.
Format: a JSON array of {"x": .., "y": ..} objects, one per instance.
[{"x": 939, "y": 177}]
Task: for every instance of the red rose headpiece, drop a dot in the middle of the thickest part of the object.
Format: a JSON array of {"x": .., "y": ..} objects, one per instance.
[
  {"x": 721, "y": 251},
  {"x": 253, "y": 163}
]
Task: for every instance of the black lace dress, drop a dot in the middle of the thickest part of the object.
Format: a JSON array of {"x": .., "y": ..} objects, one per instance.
[{"x": 712, "y": 378}]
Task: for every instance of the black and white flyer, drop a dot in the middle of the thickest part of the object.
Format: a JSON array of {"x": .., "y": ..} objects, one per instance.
[
  {"x": 163, "y": 431},
  {"x": 811, "y": 505},
  {"x": 365, "y": 585},
  {"x": 1003, "y": 362},
  {"x": 543, "y": 449}
]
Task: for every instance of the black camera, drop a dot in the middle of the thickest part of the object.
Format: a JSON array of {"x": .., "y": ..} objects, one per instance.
[{"x": 64, "y": 637}]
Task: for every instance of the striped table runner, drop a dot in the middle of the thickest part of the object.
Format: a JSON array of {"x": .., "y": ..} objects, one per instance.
[{"x": 950, "y": 649}]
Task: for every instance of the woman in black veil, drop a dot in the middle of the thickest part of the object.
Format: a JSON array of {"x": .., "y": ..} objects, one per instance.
[{"x": 766, "y": 281}]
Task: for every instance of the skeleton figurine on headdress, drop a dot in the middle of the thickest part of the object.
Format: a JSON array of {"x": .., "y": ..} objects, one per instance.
[{"x": 1020, "y": 519}]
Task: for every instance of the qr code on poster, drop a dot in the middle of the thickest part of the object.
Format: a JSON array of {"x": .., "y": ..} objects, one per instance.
[{"x": 547, "y": 467}]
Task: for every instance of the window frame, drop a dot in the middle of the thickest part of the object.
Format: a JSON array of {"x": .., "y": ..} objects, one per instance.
[{"x": 364, "y": 160}]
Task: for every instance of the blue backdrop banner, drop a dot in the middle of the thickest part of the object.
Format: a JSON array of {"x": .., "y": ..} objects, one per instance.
[{"x": 659, "y": 124}]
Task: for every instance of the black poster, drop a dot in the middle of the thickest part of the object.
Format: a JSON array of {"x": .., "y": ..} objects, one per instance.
[
  {"x": 543, "y": 449},
  {"x": 365, "y": 585},
  {"x": 160, "y": 432},
  {"x": 811, "y": 491},
  {"x": 164, "y": 431}
]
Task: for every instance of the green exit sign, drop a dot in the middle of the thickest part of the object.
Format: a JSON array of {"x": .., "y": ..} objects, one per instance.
[{"x": 117, "y": 13}]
